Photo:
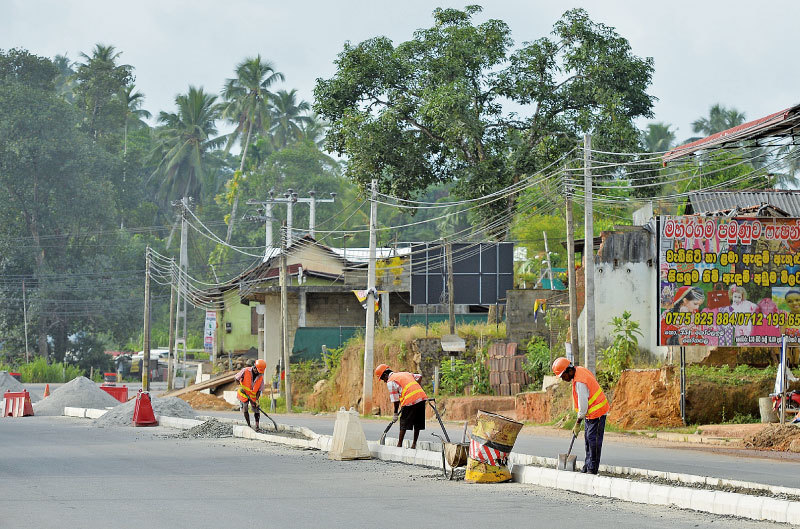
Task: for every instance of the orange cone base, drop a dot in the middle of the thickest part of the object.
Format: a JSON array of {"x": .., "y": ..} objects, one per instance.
[
  {"x": 143, "y": 412},
  {"x": 46, "y": 391}
]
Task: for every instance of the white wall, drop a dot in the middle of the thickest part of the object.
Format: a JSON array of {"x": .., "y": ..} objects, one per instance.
[{"x": 628, "y": 286}]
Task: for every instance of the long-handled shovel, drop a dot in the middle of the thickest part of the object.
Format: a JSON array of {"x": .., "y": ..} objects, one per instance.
[
  {"x": 432, "y": 402},
  {"x": 383, "y": 436},
  {"x": 567, "y": 461},
  {"x": 265, "y": 414}
]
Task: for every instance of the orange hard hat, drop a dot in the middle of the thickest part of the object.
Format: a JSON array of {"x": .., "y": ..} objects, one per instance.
[
  {"x": 261, "y": 365},
  {"x": 560, "y": 364},
  {"x": 380, "y": 370}
]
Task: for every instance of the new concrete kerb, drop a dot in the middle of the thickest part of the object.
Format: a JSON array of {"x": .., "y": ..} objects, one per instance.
[{"x": 536, "y": 470}]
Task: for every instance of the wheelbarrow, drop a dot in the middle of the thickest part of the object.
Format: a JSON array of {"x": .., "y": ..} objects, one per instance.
[{"x": 454, "y": 454}]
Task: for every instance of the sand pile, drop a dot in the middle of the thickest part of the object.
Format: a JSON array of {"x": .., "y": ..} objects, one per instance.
[
  {"x": 77, "y": 393},
  {"x": 9, "y": 383},
  {"x": 773, "y": 437},
  {"x": 204, "y": 401},
  {"x": 122, "y": 415},
  {"x": 212, "y": 428}
]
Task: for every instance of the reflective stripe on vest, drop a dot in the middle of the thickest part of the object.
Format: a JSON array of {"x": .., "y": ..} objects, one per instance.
[
  {"x": 411, "y": 392},
  {"x": 598, "y": 404},
  {"x": 249, "y": 388}
]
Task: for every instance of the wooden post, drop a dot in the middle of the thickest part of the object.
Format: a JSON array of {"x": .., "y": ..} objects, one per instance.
[{"x": 285, "y": 319}]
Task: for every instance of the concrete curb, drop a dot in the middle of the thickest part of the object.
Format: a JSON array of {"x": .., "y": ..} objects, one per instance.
[
  {"x": 83, "y": 413},
  {"x": 694, "y": 438},
  {"x": 536, "y": 470}
]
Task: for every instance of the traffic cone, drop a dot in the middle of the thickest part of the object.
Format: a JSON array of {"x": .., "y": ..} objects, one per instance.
[
  {"x": 46, "y": 391},
  {"x": 143, "y": 412}
]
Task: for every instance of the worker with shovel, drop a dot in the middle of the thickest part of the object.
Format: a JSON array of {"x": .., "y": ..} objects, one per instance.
[
  {"x": 251, "y": 382},
  {"x": 408, "y": 398},
  {"x": 592, "y": 406}
]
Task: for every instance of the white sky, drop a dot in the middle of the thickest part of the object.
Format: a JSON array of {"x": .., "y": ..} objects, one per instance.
[{"x": 740, "y": 53}]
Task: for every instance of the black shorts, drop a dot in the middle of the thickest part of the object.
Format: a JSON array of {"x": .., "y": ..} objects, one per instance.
[{"x": 413, "y": 417}]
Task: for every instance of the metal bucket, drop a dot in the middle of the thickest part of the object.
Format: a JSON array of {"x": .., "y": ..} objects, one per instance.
[{"x": 492, "y": 440}]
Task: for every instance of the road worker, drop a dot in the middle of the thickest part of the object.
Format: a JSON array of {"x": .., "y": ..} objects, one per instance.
[
  {"x": 592, "y": 406},
  {"x": 251, "y": 382},
  {"x": 408, "y": 398}
]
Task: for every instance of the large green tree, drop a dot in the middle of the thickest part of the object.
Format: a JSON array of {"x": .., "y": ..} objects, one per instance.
[
  {"x": 247, "y": 105},
  {"x": 433, "y": 109},
  {"x": 99, "y": 80}
]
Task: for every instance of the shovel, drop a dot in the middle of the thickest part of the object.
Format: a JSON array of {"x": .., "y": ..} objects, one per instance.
[
  {"x": 383, "y": 436},
  {"x": 567, "y": 461},
  {"x": 265, "y": 414}
]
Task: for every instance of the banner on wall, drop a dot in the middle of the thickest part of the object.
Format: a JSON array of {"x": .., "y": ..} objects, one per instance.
[
  {"x": 729, "y": 281},
  {"x": 209, "y": 338}
]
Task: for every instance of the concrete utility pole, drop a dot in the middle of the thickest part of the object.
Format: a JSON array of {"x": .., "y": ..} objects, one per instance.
[
  {"x": 312, "y": 215},
  {"x": 451, "y": 303},
  {"x": 289, "y": 198},
  {"x": 146, "y": 344},
  {"x": 369, "y": 335},
  {"x": 182, "y": 288},
  {"x": 588, "y": 253},
  {"x": 25, "y": 321},
  {"x": 171, "y": 344},
  {"x": 284, "y": 277},
  {"x": 549, "y": 265},
  {"x": 573, "y": 295}
]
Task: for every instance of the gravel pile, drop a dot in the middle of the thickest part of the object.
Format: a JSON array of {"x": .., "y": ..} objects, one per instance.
[
  {"x": 78, "y": 393},
  {"x": 9, "y": 383},
  {"x": 212, "y": 428},
  {"x": 122, "y": 415}
]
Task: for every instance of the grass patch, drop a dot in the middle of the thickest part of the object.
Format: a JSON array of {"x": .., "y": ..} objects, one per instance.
[{"x": 738, "y": 376}]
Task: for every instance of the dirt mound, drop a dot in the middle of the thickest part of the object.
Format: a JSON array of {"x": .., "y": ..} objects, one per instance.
[
  {"x": 79, "y": 392},
  {"x": 646, "y": 398},
  {"x": 204, "y": 401},
  {"x": 210, "y": 429},
  {"x": 9, "y": 383},
  {"x": 773, "y": 437}
]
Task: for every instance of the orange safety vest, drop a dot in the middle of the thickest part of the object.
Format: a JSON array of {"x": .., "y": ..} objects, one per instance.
[
  {"x": 598, "y": 403},
  {"x": 411, "y": 392},
  {"x": 249, "y": 388}
]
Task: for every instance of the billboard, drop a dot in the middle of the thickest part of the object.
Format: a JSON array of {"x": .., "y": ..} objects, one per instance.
[
  {"x": 482, "y": 272},
  {"x": 728, "y": 281}
]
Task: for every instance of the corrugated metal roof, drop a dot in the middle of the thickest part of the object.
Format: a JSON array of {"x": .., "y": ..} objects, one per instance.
[
  {"x": 708, "y": 202},
  {"x": 780, "y": 123}
]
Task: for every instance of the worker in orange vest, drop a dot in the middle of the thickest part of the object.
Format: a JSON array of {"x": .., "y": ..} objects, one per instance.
[
  {"x": 591, "y": 405},
  {"x": 408, "y": 398},
  {"x": 251, "y": 382}
]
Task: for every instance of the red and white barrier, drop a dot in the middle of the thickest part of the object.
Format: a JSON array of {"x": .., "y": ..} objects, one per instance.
[{"x": 17, "y": 404}]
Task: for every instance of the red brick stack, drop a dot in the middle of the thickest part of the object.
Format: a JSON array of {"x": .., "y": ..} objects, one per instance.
[{"x": 506, "y": 375}]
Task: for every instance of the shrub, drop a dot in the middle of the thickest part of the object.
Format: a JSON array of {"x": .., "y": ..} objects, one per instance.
[
  {"x": 39, "y": 371},
  {"x": 537, "y": 360},
  {"x": 619, "y": 355}
]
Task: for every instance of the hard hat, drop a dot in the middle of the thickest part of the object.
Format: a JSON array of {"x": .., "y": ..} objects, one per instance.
[
  {"x": 380, "y": 370},
  {"x": 560, "y": 365},
  {"x": 261, "y": 365}
]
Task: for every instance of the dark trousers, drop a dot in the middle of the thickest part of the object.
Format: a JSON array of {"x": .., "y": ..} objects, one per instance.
[{"x": 594, "y": 443}]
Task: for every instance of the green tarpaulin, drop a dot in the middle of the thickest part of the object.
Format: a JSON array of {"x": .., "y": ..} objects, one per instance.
[
  {"x": 409, "y": 319},
  {"x": 308, "y": 341}
]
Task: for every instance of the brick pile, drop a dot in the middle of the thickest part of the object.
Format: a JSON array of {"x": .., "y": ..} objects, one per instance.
[{"x": 506, "y": 374}]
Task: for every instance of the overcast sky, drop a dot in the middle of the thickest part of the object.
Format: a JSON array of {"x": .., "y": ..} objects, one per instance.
[{"x": 740, "y": 53}]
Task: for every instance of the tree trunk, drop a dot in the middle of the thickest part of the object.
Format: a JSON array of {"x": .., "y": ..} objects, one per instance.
[{"x": 236, "y": 192}]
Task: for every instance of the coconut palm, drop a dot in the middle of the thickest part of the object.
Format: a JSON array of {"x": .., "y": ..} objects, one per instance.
[
  {"x": 65, "y": 81},
  {"x": 658, "y": 137},
  {"x": 288, "y": 120},
  {"x": 719, "y": 119},
  {"x": 134, "y": 113},
  {"x": 99, "y": 79},
  {"x": 314, "y": 130},
  {"x": 182, "y": 140},
  {"x": 247, "y": 105}
]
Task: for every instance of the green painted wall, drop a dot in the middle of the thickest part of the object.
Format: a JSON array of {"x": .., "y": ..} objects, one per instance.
[{"x": 238, "y": 315}]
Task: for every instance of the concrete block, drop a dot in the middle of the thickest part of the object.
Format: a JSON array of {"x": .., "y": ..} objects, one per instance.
[
  {"x": 584, "y": 483},
  {"x": 775, "y": 510},
  {"x": 565, "y": 480},
  {"x": 659, "y": 495},
  {"x": 749, "y": 506},
  {"x": 639, "y": 492},
  {"x": 94, "y": 414},
  {"x": 691, "y": 479},
  {"x": 712, "y": 482},
  {"x": 620, "y": 488},
  {"x": 793, "y": 513},
  {"x": 656, "y": 474},
  {"x": 549, "y": 477},
  {"x": 424, "y": 445},
  {"x": 530, "y": 475},
  {"x": 680, "y": 497},
  {"x": 79, "y": 413},
  {"x": 602, "y": 486},
  {"x": 724, "y": 503}
]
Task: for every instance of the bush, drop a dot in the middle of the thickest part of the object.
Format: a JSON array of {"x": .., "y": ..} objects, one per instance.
[
  {"x": 619, "y": 355},
  {"x": 537, "y": 361},
  {"x": 39, "y": 371}
]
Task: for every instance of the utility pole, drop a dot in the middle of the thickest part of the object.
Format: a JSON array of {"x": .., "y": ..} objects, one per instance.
[
  {"x": 573, "y": 295},
  {"x": 290, "y": 198},
  {"x": 171, "y": 344},
  {"x": 549, "y": 264},
  {"x": 588, "y": 253},
  {"x": 312, "y": 215},
  {"x": 146, "y": 352},
  {"x": 25, "y": 321},
  {"x": 450, "y": 291},
  {"x": 284, "y": 276},
  {"x": 182, "y": 288},
  {"x": 369, "y": 335}
]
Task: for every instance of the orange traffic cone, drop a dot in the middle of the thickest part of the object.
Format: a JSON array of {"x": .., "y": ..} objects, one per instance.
[{"x": 46, "y": 391}]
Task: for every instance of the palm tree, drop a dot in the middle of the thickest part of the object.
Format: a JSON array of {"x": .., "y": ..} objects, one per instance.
[
  {"x": 287, "y": 118},
  {"x": 65, "y": 82},
  {"x": 183, "y": 139},
  {"x": 658, "y": 137},
  {"x": 247, "y": 105},
  {"x": 100, "y": 79},
  {"x": 719, "y": 119},
  {"x": 134, "y": 113},
  {"x": 314, "y": 130}
]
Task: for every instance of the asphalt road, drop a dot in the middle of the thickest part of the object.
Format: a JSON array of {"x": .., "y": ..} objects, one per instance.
[
  {"x": 57, "y": 472},
  {"x": 721, "y": 463}
]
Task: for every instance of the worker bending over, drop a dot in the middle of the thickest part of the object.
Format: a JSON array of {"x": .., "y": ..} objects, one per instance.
[
  {"x": 591, "y": 404},
  {"x": 251, "y": 382},
  {"x": 408, "y": 398}
]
